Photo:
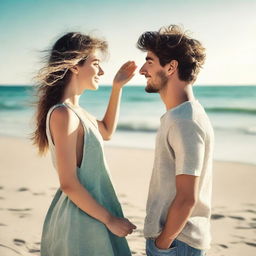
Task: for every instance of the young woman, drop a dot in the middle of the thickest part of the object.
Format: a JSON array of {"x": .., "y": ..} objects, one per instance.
[{"x": 85, "y": 216}]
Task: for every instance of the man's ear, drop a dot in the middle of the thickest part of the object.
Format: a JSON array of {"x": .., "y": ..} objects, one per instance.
[
  {"x": 172, "y": 67},
  {"x": 74, "y": 70}
]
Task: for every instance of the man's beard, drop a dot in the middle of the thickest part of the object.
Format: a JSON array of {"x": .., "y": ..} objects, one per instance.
[{"x": 162, "y": 80}]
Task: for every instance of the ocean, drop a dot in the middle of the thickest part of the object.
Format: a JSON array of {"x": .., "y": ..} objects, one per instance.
[{"x": 231, "y": 109}]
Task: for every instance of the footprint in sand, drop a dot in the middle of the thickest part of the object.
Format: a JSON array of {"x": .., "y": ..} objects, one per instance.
[
  {"x": 138, "y": 253},
  {"x": 19, "y": 242},
  {"x": 1, "y": 187},
  {"x": 2, "y": 224},
  {"x": 39, "y": 194},
  {"x": 19, "y": 209},
  {"x": 217, "y": 216},
  {"x": 2, "y": 198},
  {"x": 240, "y": 237},
  {"x": 21, "y": 212},
  {"x": 33, "y": 250},
  {"x": 24, "y": 215},
  {"x": 252, "y": 225},
  {"x": 243, "y": 228},
  {"x": 251, "y": 244},
  {"x": 22, "y": 189},
  {"x": 223, "y": 246},
  {"x": 251, "y": 211},
  {"x": 237, "y": 217}
]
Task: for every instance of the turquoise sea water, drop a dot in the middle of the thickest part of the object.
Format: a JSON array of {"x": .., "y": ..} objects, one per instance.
[{"x": 232, "y": 110}]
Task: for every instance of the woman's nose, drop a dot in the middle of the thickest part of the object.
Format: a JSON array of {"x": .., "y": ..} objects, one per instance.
[{"x": 101, "y": 72}]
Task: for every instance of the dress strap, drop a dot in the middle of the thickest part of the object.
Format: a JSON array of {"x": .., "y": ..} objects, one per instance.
[{"x": 48, "y": 132}]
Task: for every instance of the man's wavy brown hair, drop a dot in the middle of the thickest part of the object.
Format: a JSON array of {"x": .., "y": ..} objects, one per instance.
[{"x": 172, "y": 43}]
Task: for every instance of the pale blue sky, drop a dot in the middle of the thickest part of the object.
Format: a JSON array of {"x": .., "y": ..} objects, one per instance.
[{"x": 227, "y": 29}]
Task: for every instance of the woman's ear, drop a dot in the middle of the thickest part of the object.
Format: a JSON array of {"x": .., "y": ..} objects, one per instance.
[
  {"x": 172, "y": 67},
  {"x": 74, "y": 70}
]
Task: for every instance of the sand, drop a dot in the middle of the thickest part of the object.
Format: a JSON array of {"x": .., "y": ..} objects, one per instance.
[{"x": 28, "y": 182}]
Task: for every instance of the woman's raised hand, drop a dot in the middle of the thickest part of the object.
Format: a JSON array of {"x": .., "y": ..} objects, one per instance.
[
  {"x": 124, "y": 74},
  {"x": 120, "y": 226}
]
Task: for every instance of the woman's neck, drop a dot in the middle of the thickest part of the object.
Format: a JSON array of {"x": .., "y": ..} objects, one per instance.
[{"x": 71, "y": 95}]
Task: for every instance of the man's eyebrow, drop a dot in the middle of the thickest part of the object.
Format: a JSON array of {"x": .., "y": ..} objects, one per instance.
[
  {"x": 95, "y": 60},
  {"x": 149, "y": 58}
]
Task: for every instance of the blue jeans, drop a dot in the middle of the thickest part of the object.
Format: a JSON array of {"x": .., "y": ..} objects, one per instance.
[{"x": 177, "y": 248}]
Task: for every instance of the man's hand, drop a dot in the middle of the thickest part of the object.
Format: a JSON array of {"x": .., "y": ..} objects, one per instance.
[{"x": 162, "y": 242}]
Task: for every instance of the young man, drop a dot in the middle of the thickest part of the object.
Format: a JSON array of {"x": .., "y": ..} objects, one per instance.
[{"x": 179, "y": 200}]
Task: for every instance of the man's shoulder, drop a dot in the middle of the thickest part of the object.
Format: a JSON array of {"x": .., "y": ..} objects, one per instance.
[{"x": 181, "y": 116}]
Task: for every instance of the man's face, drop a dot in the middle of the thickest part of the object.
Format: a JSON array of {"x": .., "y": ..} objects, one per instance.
[{"x": 154, "y": 73}]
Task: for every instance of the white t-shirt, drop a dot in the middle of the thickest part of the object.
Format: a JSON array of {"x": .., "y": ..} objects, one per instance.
[{"x": 184, "y": 145}]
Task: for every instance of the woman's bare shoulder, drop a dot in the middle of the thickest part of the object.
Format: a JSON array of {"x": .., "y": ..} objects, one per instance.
[{"x": 63, "y": 118}]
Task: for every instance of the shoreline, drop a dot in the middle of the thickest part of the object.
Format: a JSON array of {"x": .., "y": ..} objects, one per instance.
[
  {"x": 28, "y": 182},
  {"x": 123, "y": 147}
]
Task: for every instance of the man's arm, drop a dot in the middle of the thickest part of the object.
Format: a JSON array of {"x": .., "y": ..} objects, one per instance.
[{"x": 180, "y": 209}]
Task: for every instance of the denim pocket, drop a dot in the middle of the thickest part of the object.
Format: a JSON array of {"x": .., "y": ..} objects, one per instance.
[{"x": 170, "y": 251}]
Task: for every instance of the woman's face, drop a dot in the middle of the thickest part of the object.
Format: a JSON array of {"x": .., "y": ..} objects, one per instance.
[{"x": 89, "y": 73}]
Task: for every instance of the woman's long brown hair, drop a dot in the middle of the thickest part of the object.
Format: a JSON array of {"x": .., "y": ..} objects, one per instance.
[{"x": 70, "y": 50}]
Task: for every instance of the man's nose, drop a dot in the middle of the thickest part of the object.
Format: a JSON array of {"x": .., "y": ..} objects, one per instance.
[{"x": 142, "y": 70}]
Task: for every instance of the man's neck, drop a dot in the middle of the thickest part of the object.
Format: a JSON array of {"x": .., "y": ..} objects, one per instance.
[{"x": 175, "y": 94}]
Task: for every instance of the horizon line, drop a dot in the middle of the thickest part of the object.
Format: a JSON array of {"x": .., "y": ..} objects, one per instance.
[{"x": 138, "y": 85}]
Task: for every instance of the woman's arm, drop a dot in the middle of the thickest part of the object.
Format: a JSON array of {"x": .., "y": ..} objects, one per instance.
[
  {"x": 108, "y": 125},
  {"x": 64, "y": 126}
]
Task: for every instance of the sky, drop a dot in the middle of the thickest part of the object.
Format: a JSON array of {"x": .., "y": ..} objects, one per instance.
[{"x": 226, "y": 28}]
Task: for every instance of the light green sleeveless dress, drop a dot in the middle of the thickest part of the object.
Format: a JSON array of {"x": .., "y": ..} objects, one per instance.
[{"x": 69, "y": 231}]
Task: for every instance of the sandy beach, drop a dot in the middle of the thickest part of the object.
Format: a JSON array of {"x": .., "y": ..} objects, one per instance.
[{"x": 28, "y": 182}]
